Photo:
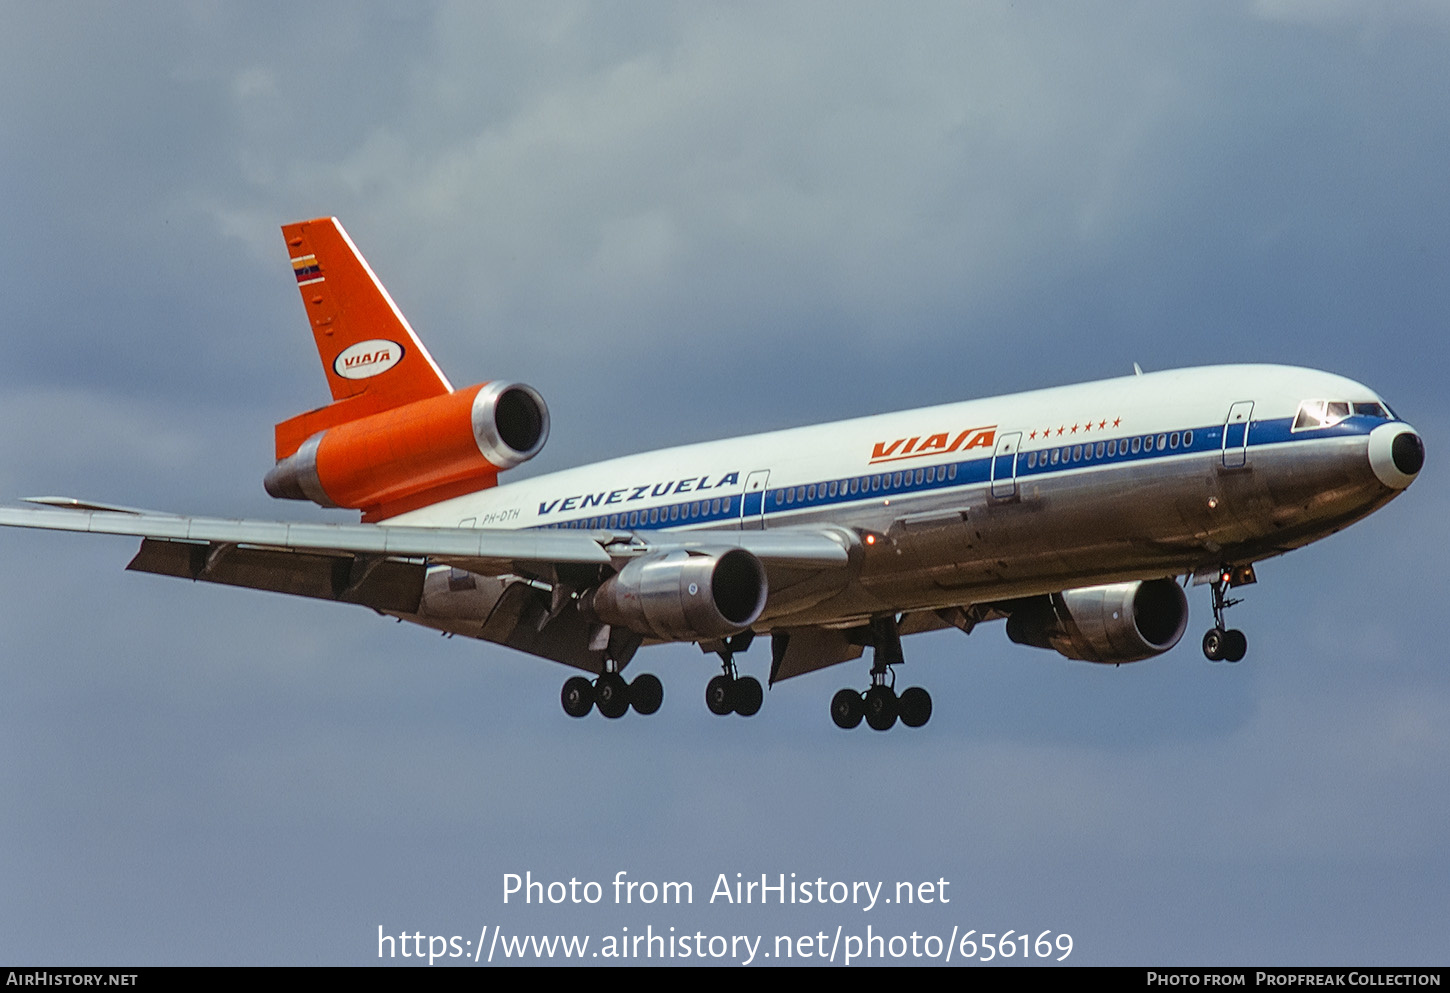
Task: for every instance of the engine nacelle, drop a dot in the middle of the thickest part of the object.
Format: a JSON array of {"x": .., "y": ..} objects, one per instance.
[
  {"x": 418, "y": 453},
  {"x": 684, "y": 596},
  {"x": 1121, "y": 622}
]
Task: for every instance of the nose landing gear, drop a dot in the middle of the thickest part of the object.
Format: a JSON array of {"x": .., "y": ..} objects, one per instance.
[{"x": 1221, "y": 643}]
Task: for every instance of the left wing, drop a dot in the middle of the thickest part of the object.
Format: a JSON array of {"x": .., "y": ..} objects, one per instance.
[{"x": 383, "y": 565}]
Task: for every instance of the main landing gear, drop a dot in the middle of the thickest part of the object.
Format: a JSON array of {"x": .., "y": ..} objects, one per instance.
[
  {"x": 1221, "y": 643},
  {"x": 730, "y": 692},
  {"x": 612, "y": 695},
  {"x": 880, "y": 705}
]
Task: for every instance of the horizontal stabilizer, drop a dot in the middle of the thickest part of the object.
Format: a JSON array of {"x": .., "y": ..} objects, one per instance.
[{"x": 71, "y": 503}]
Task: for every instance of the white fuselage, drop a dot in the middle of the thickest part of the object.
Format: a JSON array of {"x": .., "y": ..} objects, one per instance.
[{"x": 1139, "y": 477}]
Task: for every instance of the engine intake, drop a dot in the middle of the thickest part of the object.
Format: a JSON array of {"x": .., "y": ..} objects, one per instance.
[
  {"x": 684, "y": 595},
  {"x": 1120, "y": 622}
]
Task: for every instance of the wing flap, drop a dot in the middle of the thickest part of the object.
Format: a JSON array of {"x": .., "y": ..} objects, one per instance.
[{"x": 383, "y": 585}]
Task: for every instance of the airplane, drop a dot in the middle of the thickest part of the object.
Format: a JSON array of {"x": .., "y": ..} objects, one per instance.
[{"x": 1077, "y": 514}]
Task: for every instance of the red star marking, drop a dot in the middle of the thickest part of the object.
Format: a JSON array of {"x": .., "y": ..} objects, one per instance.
[
  {"x": 1089, "y": 426},
  {"x": 1117, "y": 421},
  {"x": 1103, "y": 424},
  {"x": 1059, "y": 430},
  {"x": 1032, "y": 435},
  {"x": 1074, "y": 429}
]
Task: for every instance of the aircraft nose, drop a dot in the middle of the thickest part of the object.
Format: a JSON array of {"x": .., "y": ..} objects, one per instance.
[{"x": 1396, "y": 453}]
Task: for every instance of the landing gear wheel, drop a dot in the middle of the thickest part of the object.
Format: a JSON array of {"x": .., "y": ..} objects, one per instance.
[
  {"x": 646, "y": 693},
  {"x": 881, "y": 707},
  {"x": 720, "y": 695},
  {"x": 914, "y": 705},
  {"x": 1235, "y": 645},
  {"x": 1214, "y": 644},
  {"x": 748, "y": 696},
  {"x": 847, "y": 709},
  {"x": 611, "y": 695},
  {"x": 577, "y": 696}
]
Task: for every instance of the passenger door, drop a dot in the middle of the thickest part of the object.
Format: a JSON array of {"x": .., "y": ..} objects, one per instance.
[
  {"x": 1236, "y": 435},
  {"x": 1004, "y": 466}
]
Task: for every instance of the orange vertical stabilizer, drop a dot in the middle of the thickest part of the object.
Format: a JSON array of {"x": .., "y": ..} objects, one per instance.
[{"x": 371, "y": 356}]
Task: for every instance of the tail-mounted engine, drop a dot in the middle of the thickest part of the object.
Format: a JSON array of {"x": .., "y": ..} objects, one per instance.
[
  {"x": 683, "y": 596},
  {"x": 1121, "y": 622},
  {"x": 418, "y": 453}
]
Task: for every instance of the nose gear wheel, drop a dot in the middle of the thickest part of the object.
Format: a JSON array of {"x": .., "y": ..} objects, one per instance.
[{"x": 1222, "y": 643}]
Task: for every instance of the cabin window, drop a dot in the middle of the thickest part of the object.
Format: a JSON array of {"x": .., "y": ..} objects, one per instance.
[
  {"x": 1137, "y": 445},
  {"x": 800, "y": 494},
  {"x": 811, "y": 492},
  {"x": 1077, "y": 453},
  {"x": 1173, "y": 440},
  {"x": 833, "y": 487},
  {"x": 726, "y": 506},
  {"x": 1188, "y": 439},
  {"x": 654, "y": 515},
  {"x": 789, "y": 496},
  {"x": 952, "y": 471},
  {"x": 855, "y": 486}
]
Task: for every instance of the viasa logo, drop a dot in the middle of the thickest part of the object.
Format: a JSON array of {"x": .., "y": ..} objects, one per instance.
[
  {"x": 925, "y": 446},
  {"x": 367, "y": 358}
]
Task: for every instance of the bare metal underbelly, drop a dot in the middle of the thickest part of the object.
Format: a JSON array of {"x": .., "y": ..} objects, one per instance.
[{"x": 1087, "y": 527}]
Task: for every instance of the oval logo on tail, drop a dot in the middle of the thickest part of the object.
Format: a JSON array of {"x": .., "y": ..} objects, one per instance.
[{"x": 367, "y": 358}]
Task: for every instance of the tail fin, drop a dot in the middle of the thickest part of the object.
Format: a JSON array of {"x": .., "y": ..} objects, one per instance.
[{"x": 372, "y": 358}]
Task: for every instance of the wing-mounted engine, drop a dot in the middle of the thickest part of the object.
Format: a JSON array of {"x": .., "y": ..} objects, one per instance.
[
  {"x": 1121, "y": 622},
  {"x": 416, "y": 454},
  {"x": 680, "y": 595}
]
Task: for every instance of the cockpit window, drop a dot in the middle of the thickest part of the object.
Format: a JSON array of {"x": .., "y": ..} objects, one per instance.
[
  {"x": 1314, "y": 414},
  {"x": 1327, "y": 413}
]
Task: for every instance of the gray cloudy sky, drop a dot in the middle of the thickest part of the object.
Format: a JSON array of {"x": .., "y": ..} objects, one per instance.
[{"x": 681, "y": 223}]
